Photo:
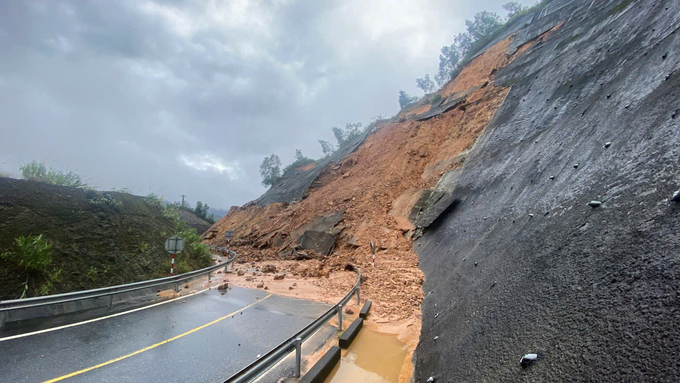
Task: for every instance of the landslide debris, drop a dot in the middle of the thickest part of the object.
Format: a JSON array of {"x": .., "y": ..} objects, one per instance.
[{"x": 368, "y": 196}]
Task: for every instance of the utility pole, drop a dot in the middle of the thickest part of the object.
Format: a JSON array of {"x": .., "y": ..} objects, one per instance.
[{"x": 183, "y": 196}]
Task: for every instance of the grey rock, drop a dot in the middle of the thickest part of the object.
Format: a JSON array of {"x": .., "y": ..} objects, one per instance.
[
  {"x": 594, "y": 204},
  {"x": 318, "y": 241},
  {"x": 528, "y": 359}
]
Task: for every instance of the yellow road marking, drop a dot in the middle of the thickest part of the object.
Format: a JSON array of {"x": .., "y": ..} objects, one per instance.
[{"x": 154, "y": 345}]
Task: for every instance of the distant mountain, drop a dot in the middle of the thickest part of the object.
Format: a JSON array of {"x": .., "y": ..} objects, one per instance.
[{"x": 219, "y": 213}]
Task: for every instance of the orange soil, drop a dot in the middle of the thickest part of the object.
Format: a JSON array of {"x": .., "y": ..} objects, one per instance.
[{"x": 365, "y": 185}]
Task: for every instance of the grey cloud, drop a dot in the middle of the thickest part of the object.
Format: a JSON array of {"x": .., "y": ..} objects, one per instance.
[{"x": 121, "y": 91}]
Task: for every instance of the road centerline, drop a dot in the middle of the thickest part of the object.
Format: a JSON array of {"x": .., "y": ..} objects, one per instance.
[{"x": 154, "y": 345}]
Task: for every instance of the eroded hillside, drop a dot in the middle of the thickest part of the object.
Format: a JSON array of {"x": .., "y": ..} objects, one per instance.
[
  {"x": 573, "y": 103},
  {"x": 369, "y": 195}
]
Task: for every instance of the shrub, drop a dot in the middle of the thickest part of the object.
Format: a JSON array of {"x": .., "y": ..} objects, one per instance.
[
  {"x": 153, "y": 199},
  {"x": 33, "y": 253},
  {"x": 435, "y": 97},
  {"x": 37, "y": 171},
  {"x": 105, "y": 199}
]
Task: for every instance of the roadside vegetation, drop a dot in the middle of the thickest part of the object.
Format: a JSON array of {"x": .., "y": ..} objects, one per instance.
[
  {"x": 32, "y": 256},
  {"x": 195, "y": 255},
  {"x": 38, "y": 171}
]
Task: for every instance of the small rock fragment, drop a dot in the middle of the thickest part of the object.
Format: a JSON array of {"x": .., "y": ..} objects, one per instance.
[
  {"x": 594, "y": 204},
  {"x": 531, "y": 216},
  {"x": 436, "y": 337},
  {"x": 575, "y": 166},
  {"x": 552, "y": 177},
  {"x": 349, "y": 311},
  {"x": 528, "y": 359},
  {"x": 607, "y": 144},
  {"x": 436, "y": 315},
  {"x": 430, "y": 379},
  {"x": 676, "y": 196},
  {"x": 476, "y": 263}
]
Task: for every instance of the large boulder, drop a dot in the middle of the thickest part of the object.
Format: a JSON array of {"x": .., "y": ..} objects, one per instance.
[{"x": 319, "y": 241}]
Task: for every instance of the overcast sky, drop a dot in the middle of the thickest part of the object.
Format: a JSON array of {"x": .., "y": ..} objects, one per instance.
[{"x": 187, "y": 97}]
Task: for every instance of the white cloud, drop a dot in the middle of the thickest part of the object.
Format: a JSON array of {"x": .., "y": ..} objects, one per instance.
[{"x": 211, "y": 163}]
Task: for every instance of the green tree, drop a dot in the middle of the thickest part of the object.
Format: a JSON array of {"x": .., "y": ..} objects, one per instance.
[
  {"x": 448, "y": 62},
  {"x": 483, "y": 24},
  {"x": 270, "y": 170},
  {"x": 339, "y": 135},
  {"x": 513, "y": 8},
  {"x": 298, "y": 155},
  {"x": 326, "y": 147},
  {"x": 425, "y": 84},
  {"x": 406, "y": 100}
]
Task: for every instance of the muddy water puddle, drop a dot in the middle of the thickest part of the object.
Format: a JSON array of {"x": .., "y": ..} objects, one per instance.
[{"x": 373, "y": 357}]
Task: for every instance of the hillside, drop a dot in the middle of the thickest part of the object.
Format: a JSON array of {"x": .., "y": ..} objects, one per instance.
[
  {"x": 98, "y": 238},
  {"x": 573, "y": 103}
]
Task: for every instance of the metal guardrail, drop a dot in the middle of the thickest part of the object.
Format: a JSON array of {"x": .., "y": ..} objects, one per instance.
[
  {"x": 294, "y": 343},
  {"x": 14, "y": 307}
]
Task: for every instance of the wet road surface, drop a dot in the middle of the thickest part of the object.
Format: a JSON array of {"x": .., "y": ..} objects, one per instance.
[{"x": 194, "y": 339}]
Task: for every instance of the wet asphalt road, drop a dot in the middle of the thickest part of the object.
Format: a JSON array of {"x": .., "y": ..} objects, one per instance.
[{"x": 209, "y": 354}]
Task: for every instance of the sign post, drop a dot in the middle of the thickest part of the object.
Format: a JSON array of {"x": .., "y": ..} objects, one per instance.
[
  {"x": 229, "y": 234},
  {"x": 173, "y": 246}
]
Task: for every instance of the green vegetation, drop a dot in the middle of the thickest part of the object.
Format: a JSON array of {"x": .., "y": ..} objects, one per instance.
[
  {"x": 195, "y": 255},
  {"x": 270, "y": 170},
  {"x": 405, "y": 100},
  {"x": 33, "y": 253},
  {"x": 425, "y": 84},
  {"x": 153, "y": 199},
  {"x": 33, "y": 256},
  {"x": 300, "y": 160},
  {"x": 105, "y": 199},
  {"x": 37, "y": 171},
  {"x": 434, "y": 98},
  {"x": 480, "y": 31}
]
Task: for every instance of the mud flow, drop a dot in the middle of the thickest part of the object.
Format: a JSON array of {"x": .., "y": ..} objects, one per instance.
[{"x": 373, "y": 357}]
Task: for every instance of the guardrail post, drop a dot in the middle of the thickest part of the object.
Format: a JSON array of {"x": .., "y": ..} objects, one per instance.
[
  {"x": 209, "y": 277},
  {"x": 176, "y": 287},
  {"x": 298, "y": 356},
  {"x": 110, "y": 301},
  {"x": 358, "y": 295},
  {"x": 339, "y": 317}
]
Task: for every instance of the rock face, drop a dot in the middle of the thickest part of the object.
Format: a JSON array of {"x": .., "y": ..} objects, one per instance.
[
  {"x": 318, "y": 241},
  {"x": 594, "y": 292}
]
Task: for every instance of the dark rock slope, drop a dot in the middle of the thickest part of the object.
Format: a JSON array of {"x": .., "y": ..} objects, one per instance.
[{"x": 520, "y": 263}]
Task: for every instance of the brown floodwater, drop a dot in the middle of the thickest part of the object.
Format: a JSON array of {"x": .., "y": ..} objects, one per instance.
[{"x": 373, "y": 357}]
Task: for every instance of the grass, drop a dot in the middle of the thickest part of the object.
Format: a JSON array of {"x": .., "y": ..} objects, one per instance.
[{"x": 37, "y": 171}]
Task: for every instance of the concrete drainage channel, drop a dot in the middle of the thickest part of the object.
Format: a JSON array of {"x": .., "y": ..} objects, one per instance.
[
  {"x": 58, "y": 308},
  {"x": 330, "y": 359}
]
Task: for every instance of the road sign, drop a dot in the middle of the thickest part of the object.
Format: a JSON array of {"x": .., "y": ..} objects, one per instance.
[
  {"x": 174, "y": 244},
  {"x": 229, "y": 234}
]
